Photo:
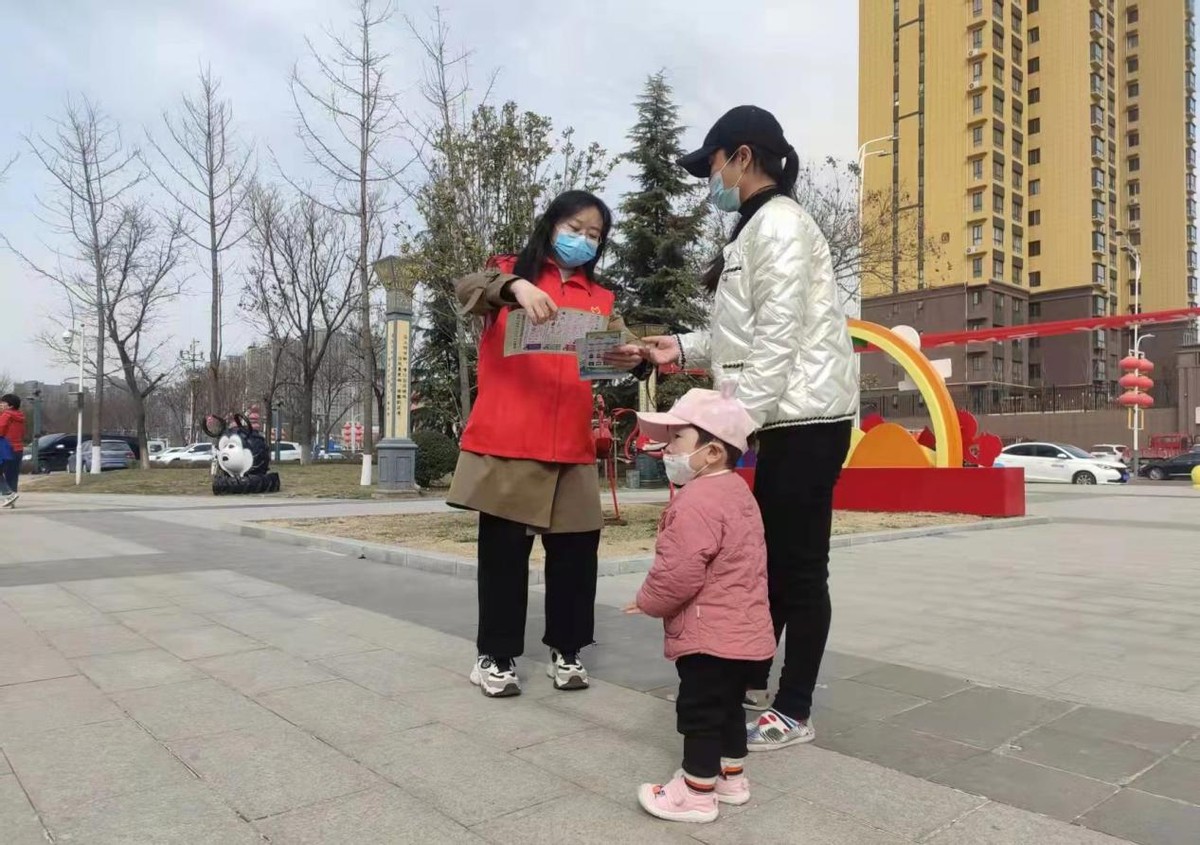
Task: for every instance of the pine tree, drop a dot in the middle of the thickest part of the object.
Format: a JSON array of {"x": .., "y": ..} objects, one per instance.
[{"x": 657, "y": 266}]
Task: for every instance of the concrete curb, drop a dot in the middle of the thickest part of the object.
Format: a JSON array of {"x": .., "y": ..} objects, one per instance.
[{"x": 459, "y": 567}]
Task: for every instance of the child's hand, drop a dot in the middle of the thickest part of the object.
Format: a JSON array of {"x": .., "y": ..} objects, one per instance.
[{"x": 631, "y": 609}]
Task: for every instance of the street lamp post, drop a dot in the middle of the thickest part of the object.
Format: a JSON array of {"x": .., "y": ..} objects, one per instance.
[
  {"x": 397, "y": 452},
  {"x": 855, "y": 309},
  {"x": 1137, "y": 336},
  {"x": 78, "y": 336}
]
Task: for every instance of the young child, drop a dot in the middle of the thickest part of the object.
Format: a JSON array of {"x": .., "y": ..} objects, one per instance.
[{"x": 709, "y": 586}]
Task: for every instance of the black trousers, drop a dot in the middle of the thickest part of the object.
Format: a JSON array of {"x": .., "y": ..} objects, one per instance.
[
  {"x": 10, "y": 474},
  {"x": 709, "y": 710},
  {"x": 798, "y": 467},
  {"x": 571, "y": 569}
]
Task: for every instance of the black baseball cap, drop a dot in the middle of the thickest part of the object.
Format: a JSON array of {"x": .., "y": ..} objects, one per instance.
[{"x": 744, "y": 125}]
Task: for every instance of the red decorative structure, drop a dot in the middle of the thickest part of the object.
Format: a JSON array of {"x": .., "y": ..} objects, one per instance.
[{"x": 1137, "y": 385}]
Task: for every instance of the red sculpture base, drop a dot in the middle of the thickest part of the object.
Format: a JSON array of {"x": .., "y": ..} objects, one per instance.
[{"x": 996, "y": 492}]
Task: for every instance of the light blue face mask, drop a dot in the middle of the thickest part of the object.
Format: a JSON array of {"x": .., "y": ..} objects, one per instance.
[
  {"x": 573, "y": 250},
  {"x": 722, "y": 198}
]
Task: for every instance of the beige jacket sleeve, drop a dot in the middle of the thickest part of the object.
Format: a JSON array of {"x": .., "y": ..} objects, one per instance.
[{"x": 484, "y": 292}]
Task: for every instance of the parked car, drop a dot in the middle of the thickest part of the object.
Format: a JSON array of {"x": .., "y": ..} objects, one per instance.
[
  {"x": 1180, "y": 466},
  {"x": 330, "y": 455},
  {"x": 1059, "y": 463},
  {"x": 114, "y": 454},
  {"x": 288, "y": 452},
  {"x": 55, "y": 450},
  {"x": 161, "y": 457},
  {"x": 1111, "y": 452},
  {"x": 197, "y": 453},
  {"x": 156, "y": 447}
]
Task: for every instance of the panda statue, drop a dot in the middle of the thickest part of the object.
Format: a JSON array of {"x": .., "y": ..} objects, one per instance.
[{"x": 243, "y": 459}]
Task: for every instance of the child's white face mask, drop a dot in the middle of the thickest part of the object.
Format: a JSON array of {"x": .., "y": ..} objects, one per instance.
[{"x": 679, "y": 468}]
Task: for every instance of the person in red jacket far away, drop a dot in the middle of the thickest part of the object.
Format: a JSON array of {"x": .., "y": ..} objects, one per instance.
[
  {"x": 709, "y": 586},
  {"x": 12, "y": 432}
]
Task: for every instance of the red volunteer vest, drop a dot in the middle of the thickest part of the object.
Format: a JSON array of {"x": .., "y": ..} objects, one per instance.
[{"x": 534, "y": 406}]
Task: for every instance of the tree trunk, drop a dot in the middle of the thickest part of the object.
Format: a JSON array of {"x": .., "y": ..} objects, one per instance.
[
  {"x": 143, "y": 439},
  {"x": 304, "y": 421}
]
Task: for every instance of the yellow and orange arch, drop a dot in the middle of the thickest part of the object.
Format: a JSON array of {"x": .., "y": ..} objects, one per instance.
[{"x": 883, "y": 445}]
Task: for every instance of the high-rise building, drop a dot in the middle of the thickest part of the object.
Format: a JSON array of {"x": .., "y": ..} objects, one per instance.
[{"x": 1027, "y": 145}]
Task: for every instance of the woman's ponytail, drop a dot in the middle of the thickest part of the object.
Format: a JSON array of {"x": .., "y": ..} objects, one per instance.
[{"x": 791, "y": 172}]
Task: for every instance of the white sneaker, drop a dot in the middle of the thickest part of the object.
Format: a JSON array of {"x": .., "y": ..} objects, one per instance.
[
  {"x": 772, "y": 731},
  {"x": 496, "y": 678},
  {"x": 566, "y": 671},
  {"x": 10, "y": 500}
]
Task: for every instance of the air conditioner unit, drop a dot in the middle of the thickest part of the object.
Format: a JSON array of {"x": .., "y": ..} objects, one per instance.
[
  {"x": 973, "y": 53},
  {"x": 974, "y": 85},
  {"x": 1135, "y": 225},
  {"x": 974, "y": 250}
]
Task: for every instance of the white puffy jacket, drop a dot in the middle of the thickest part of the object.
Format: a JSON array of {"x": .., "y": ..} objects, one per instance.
[{"x": 777, "y": 325}]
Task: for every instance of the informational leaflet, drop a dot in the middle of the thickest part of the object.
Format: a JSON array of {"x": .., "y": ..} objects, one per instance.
[
  {"x": 591, "y": 351},
  {"x": 560, "y": 336}
]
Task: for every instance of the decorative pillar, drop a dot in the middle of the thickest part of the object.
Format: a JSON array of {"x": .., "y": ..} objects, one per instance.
[{"x": 397, "y": 454}]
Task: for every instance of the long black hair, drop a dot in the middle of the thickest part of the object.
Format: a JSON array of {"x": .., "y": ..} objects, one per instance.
[
  {"x": 783, "y": 170},
  {"x": 541, "y": 242}
]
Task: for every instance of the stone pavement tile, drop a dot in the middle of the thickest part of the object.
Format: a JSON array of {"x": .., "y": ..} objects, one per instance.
[
  {"x": 872, "y": 794},
  {"x": 388, "y": 673},
  {"x": 1145, "y": 819},
  {"x": 917, "y": 682},
  {"x": 167, "y": 585},
  {"x": 982, "y": 716},
  {"x": 1127, "y": 696},
  {"x": 33, "y": 597},
  {"x": 131, "y": 670},
  {"x": 1126, "y": 728},
  {"x": 18, "y": 819},
  {"x": 342, "y": 713},
  {"x": 1051, "y": 792},
  {"x": 1174, "y": 778},
  {"x": 830, "y": 723},
  {"x": 789, "y": 821},
  {"x": 102, "y": 639},
  {"x": 116, "y": 600},
  {"x": 898, "y": 748},
  {"x": 411, "y": 640},
  {"x": 255, "y": 672},
  {"x": 54, "y": 618},
  {"x": 193, "y": 708},
  {"x": 264, "y": 772},
  {"x": 381, "y": 815},
  {"x": 32, "y": 663},
  {"x": 237, "y": 584},
  {"x": 207, "y": 641},
  {"x": 27, "y": 709},
  {"x": 504, "y": 725},
  {"x": 1191, "y": 751},
  {"x": 65, "y": 768},
  {"x": 864, "y": 700},
  {"x": 1112, "y": 762},
  {"x": 254, "y": 623},
  {"x": 180, "y": 814},
  {"x": 836, "y": 666},
  {"x": 297, "y": 603},
  {"x": 457, "y": 775},
  {"x": 312, "y": 641},
  {"x": 998, "y": 824},
  {"x": 159, "y": 619},
  {"x": 584, "y": 819},
  {"x": 5, "y": 769},
  {"x": 212, "y": 601}
]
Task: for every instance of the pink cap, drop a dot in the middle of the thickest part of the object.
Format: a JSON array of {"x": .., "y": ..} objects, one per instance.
[{"x": 717, "y": 412}]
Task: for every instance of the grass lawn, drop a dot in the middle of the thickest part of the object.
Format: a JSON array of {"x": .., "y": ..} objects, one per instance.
[
  {"x": 331, "y": 479},
  {"x": 455, "y": 533}
]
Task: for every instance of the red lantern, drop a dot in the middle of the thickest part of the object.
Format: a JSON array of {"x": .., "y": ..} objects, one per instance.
[
  {"x": 1129, "y": 363},
  {"x": 1145, "y": 365},
  {"x": 1135, "y": 400},
  {"x": 1132, "y": 381}
]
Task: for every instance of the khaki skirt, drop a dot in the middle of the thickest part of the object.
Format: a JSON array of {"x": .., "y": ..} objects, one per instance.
[{"x": 549, "y": 498}]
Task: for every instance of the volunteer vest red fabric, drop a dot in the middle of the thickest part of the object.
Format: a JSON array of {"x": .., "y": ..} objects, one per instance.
[{"x": 535, "y": 406}]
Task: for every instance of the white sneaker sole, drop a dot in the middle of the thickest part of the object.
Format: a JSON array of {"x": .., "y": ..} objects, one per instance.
[
  {"x": 507, "y": 690},
  {"x": 798, "y": 739},
  {"x": 646, "y": 799},
  {"x": 572, "y": 683}
]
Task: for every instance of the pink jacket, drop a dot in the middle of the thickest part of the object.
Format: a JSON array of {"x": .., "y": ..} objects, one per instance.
[{"x": 709, "y": 579}]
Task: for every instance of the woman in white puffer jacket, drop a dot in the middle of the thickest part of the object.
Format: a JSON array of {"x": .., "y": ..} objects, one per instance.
[{"x": 777, "y": 328}]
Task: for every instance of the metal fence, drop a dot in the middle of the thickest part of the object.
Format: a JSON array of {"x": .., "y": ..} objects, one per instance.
[{"x": 1010, "y": 400}]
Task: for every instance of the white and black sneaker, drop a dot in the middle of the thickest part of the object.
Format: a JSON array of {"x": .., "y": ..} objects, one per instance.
[
  {"x": 496, "y": 677},
  {"x": 566, "y": 671},
  {"x": 9, "y": 501}
]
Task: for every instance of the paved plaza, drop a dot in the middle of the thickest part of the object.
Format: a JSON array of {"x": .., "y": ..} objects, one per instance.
[{"x": 165, "y": 680}]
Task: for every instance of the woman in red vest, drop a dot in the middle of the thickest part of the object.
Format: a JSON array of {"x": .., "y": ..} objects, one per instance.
[{"x": 528, "y": 461}]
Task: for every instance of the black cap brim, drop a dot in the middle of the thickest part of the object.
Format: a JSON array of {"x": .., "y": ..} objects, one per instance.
[{"x": 697, "y": 163}]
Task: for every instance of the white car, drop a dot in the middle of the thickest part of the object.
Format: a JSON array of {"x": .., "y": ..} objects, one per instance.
[
  {"x": 197, "y": 453},
  {"x": 1061, "y": 464},
  {"x": 161, "y": 457},
  {"x": 1110, "y": 452},
  {"x": 288, "y": 452}
]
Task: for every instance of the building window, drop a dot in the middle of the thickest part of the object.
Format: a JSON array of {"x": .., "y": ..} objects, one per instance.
[
  {"x": 998, "y": 136},
  {"x": 1035, "y": 64},
  {"x": 1131, "y": 16},
  {"x": 1098, "y": 209},
  {"x": 1099, "y": 307},
  {"x": 1035, "y": 156},
  {"x": 976, "y": 71},
  {"x": 1035, "y": 95},
  {"x": 998, "y": 267},
  {"x": 998, "y": 104},
  {"x": 976, "y": 298},
  {"x": 1134, "y": 113},
  {"x": 1035, "y": 126},
  {"x": 1131, "y": 41},
  {"x": 998, "y": 203},
  {"x": 976, "y": 234},
  {"x": 1017, "y": 273},
  {"x": 976, "y": 7},
  {"x": 1031, "y": 6},
  {"x": 1131, "y": 64},
  {"x": 977, "y": 362},
  {"x": 1035, "y": 281},
  {"x": 977, "y": 268},
  {"x": 998, "y": 40},
  {"x": 1035, "y": 216},
  {"x": 977, "y": 136},
  {"x": 1035, "y": 308},
  {"x": 1035, "y": 35},
  {"x": 1035, "y": 248},
  {"x": 1097, "y": 177},
  {"x": 1035, "y": 371},
  {"x": 1035, "y": 187},
  {"x": 1017, "y": 146},
  {"x": 976, "y": 104},
  {"x": 1097, "y": 272},
  {"x": 1135, "y": 188},
  {"x": 977, "y": 201},
  {"x": 1135, "y": 164},
  {"x": 1097, "y": 116},
  {"x": 977, "y": 37},
  {"x": 977, "y": 168},
  {"x": 1134, "y": 139},
  {"x": 998, "y": 169},
  {"x": 1135, "y": 213},
  {"x": 1133, "y": 89},
  {"x": 998, "y": 10},
  {"x": 1018, "y": 208},
  {"x": 998, "y": 72},
  {"x": 1018, "y": 243},
  {"x": 1099, "y": 244},
  {"x": 1097, "y": 147},
  {"x": 998, "y": 233}
]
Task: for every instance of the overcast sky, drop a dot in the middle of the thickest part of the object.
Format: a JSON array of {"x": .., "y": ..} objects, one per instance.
[{"x": 582, "y": 63}]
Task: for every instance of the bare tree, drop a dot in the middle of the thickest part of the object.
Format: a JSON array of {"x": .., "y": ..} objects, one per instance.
[
  {"x": 301, "y": 283},
  {"x": 346, "y": 115},
  {"x": 91, "y": 170},
  {"x": 334, "y": 391},
  {"x": 209, "y": 172}
]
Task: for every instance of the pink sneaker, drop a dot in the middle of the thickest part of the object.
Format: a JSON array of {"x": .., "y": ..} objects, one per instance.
[
  {"x": 676, "y": 803},
  {"x": 734, "y": 791}
]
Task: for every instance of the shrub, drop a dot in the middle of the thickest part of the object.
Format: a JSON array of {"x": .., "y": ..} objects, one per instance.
[{"x": 437, "y": 455}]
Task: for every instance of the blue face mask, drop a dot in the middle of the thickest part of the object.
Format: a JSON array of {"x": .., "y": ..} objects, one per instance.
[
  {"x": 722, "y": 198},
  {"x": 573, "y": 250}
]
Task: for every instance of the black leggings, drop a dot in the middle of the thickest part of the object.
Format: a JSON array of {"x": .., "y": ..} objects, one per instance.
[
  {"x": 797, "y": 469},
  {"x": 709, "y": 710},
  {"x": 571, "y": 569}
]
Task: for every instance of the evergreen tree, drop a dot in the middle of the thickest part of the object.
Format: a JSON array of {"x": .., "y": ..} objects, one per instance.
[{"x": 657, "y": 266}]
